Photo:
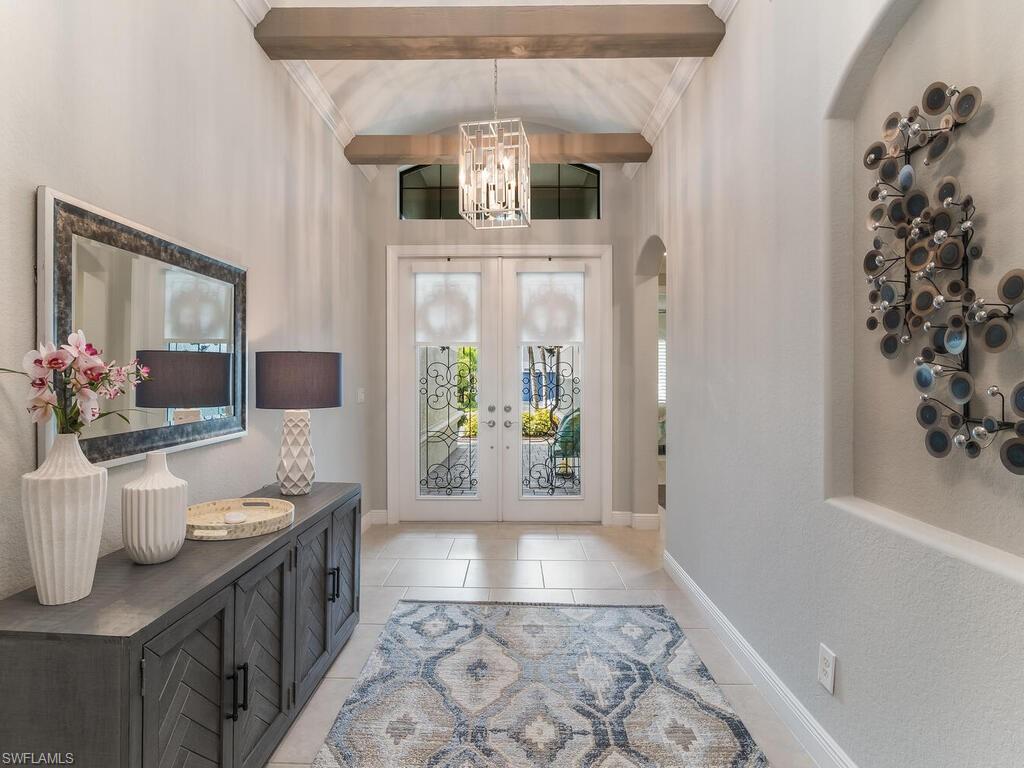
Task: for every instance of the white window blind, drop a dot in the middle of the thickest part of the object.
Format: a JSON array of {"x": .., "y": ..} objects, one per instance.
[
  {"x": 447, "y": 308},
  {"x": 551, "y": 308},
  {"x": 662, "y": 372}
]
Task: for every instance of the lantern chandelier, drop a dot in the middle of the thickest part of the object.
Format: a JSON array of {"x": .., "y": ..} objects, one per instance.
[{"x": 494, "y": 171}]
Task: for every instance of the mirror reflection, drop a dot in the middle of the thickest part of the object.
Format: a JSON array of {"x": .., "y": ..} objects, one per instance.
[{"x": 178, "y": 322}]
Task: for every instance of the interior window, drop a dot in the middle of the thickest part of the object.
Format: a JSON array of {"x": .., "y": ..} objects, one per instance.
[{"x": 557, "y": 191}]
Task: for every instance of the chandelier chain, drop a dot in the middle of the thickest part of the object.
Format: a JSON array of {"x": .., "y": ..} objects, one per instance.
[{"x": 494, "y": 98}]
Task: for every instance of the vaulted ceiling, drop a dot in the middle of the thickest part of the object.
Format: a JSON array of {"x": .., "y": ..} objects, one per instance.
[{"x": 578, "y": 95}]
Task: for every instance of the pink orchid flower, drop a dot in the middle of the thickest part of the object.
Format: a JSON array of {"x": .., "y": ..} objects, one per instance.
[
  {"x": 39, "y": 362},
  {"x": 77, "y": 345},
  {"x": 41, "y": 406},
  {"x": 91, "y": 367},
  {"x": 88, "y": 405},
  {"x": 32, "y": 364}
]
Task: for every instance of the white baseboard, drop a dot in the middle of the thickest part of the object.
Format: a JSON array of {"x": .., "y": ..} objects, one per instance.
[
  {"x": 374, "y": 517},
  {"x": 646, "y": 521},
  {"x": 624, "y": 519},
  {"x": 809, "y": 732}
]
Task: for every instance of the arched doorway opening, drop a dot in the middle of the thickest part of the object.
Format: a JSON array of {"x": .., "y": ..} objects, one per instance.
[{"x": 650, "y": 383}]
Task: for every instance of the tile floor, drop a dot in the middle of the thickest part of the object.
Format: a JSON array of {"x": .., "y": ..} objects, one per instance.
[{"x": 531, "y": 563}]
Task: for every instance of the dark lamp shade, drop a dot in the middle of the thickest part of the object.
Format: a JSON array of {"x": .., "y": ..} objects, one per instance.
[
  {"x": 298, "y": 380},
  {"x": 184, "y": 379}
]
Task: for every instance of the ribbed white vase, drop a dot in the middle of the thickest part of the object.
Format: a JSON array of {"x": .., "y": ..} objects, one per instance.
[
  {"x": 153, "y": 512},
  {"x": 63, "y": 502}
]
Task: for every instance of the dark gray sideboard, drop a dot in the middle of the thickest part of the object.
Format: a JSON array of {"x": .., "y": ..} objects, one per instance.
[{"x": 204, "y": 660}]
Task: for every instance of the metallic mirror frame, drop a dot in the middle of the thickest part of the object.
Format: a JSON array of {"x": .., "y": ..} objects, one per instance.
[
  {"x": 59, "y": 218},
  {"x": 912, "y": 249}
]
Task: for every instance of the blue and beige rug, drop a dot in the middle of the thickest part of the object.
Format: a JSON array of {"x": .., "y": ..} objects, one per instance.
[{"x": 468, "y": 685}]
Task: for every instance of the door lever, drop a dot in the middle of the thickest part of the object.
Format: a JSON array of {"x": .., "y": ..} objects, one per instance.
[
  {"x": 508, "y": 423},
  {"x": 491, "y": 423}
]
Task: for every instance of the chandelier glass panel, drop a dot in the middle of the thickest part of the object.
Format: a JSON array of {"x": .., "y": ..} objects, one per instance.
[{"x": 494, "y": 171}]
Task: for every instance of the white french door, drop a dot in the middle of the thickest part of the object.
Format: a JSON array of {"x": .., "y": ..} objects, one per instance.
[{"x": 498, "y": 390}]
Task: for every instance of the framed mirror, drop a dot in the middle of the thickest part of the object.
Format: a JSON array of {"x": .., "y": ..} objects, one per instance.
[{"x": 138, "y": 294}]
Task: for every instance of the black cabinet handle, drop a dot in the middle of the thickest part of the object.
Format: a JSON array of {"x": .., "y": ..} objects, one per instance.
[
  {"x": 335, "y": 574},
  {"x": 233, "y": 677},
  {"x": 245, "y": 686}
]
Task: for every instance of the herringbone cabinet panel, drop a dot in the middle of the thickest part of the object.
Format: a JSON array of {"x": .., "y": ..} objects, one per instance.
[
  {"x": 187, "y": 694},
  {"x": 312, "y": 607},
  {"x": 345, "y": 537},
  {"x": 264, "y": 600}
]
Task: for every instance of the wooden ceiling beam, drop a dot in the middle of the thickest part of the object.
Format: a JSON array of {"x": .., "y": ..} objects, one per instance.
[
  {"x": 544, "y": 148},
  {"x": 488, "y": 32}
]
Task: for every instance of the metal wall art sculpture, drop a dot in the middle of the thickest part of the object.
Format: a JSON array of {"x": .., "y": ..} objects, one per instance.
[{"x": 919, "y": 278}]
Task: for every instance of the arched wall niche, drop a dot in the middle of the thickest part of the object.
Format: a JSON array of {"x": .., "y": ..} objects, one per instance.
[
  {"x": 650, "y": 264},
  {"x": 875, "y": 449}
]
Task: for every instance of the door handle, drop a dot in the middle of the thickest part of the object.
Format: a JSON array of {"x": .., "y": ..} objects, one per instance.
[
  {"x": 233, "y": 715},
  {"x": 335, "y": 576},
  {"x": 508, "y": 409},
  {"x": 245, "y": 686},
  {"x": 508, "y": 423},
  {"x": 491, "y": 423}
]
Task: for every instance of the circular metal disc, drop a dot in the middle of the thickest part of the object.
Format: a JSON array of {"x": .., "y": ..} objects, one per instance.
[
  {"x": 947, "y": 188},
  {"x": 955, "y": 340},
  {"x": 938, "y": 442},
  {"x": 871, "y": 265},
  {"x": 966, "y": 104},
  {"x": 1012, "y": 455},
  {"x": 950, "y": 254},
  {"x": 924, "y": 378},
  {"x": 892, "y": 319},
  {"x": 874, "y": 155},
  {"x": 871, "y": 322},
  {"x": 896, "y": 212},
  {"x": 938, "y": 146},
  {"x": 972, "y": 449},
  {"x": 875, "y": 216},
  {"x": 928, "y": 414},
  {"x": 890, "y": 346},
  {"x": 954, "y": 288},
  {"x": 961, "y": 387},
  {"x": 934, "y": 101},
  {"x": 889, "y": 169},
  {"x": 915, "y": 203},
  {"x": 923, "y": 299},
  {"x": 891, "y": 126},
  {"x": 1017, "y": 399},
  {"x": 1011, "y": 287},
  {"x": 997, "y": 334},
  {"x": 918, "y": 257}
]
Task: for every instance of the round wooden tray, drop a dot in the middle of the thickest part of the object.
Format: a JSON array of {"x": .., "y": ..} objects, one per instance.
[{"x": 205, "y": 522}]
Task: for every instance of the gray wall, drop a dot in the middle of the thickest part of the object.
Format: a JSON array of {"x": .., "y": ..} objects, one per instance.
[
  {"x": 741, "y": 189},
  {"x": 977, "y": 498},
  {"x": 614, "y": 228},
  {"x": 169, "y": 114}
]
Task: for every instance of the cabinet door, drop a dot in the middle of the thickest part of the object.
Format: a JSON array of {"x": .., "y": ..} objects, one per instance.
[
  {"x": 313, "y": 585},
  {"x": 345, "y": 541},
  {"x": 264, "y": 637},
  {"x": 188, "y": 689}
]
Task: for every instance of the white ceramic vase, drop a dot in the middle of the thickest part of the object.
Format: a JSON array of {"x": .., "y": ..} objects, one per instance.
[
  {"x": 153, "y": 512},
  {"x": 295, "y": 470},
  {"x": 63, "y": 503}
]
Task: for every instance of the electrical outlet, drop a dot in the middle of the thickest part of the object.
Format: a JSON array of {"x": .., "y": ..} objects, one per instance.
[
  {"x": 360, "y": 395},
  {"x": 827, "y": 668}
]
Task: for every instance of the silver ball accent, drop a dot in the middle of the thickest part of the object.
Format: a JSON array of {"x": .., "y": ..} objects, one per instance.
[
  {"x": 904, "y": 339},
  {"x": 981, "y": 316},
  {"x": 960, "y": 440},
  {"x": 947, "y": 203},
  {"x": 925, "y": 397},
  {"x": 979, "y": 432},
  {"x": 881, "y": 280},
  {"x": 939, "y": 237},
  {"x": 915, "y": 129},
  {"x": 927, "y": 325},
  {"x": 883, "y": 194},
  {"x": 992, "y": 391},
  {"x": 920, "y": 361},
  {"x": 872, "y": 157},
  {"x": 883, "y": 304},
  {"x": 879, "y": 260},
  {"x": 966, "y": 225},
  {"x": 937, "y": 369},
  {"x": 915, "y": 232},
  {"x": 939, "y": 302},
  {"x": 904, "y": 124},
  {"x": 874, "y": 226}
]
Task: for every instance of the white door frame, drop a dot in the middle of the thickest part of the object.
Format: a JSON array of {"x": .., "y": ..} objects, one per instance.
[{"x": 396, "y": 252}]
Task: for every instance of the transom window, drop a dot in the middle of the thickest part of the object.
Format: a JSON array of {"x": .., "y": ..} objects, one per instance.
[{"x": 557, "y": 191}]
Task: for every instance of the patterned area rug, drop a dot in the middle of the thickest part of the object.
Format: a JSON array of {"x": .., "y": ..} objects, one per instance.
[{"x": 468, "y": 685}]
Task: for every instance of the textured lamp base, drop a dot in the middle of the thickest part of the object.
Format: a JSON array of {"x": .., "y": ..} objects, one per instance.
[{"x": 295, "y": 467}]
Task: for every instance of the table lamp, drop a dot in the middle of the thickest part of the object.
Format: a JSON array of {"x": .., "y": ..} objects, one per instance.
[
  {"x": 187, "y": 381},
  {"x": 297, "y": 382}
]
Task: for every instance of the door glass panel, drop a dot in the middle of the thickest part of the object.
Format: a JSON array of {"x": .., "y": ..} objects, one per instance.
[
  {"x": 550, "y": 416},
  {"x": 551, "y": 344},
  {"x": 448, "y": 447},
  {"x": 447, "y": 365}
]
